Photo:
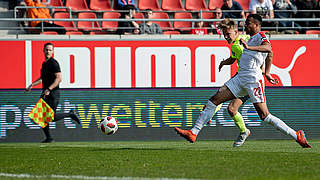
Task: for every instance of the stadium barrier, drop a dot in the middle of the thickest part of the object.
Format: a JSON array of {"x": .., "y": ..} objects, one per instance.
[
  {"x": 151, "y": 114},
  {"x": 275, "y": 28},
  {"x": 151, "y": 86}
]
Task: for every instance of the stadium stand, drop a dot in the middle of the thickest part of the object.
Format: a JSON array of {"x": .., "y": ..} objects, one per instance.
[
  {"x": 88, "y": 25},
  {"x": 196, "y": 5},
  {"x": 244, "y": 4},
  {"x": 74, "y": 33},
  {"x": 206, "y": 15},
  {"x": 215, "y": 4},
  {"x": 165, "y": 25},
  {"x": 172, "y": 5},
  {"x": 313, "y": 32},
  {"x": 182, "y": 25},
  {"x": 138, "y": 15},
  {"x": 68, "y": 25},
  {"x": 169, "y": 9},
  {"x": 77, "y": 5},
  {"x": 56, "y": 3},
  {"x": 171, "y": 32},
  {"x": 49, "y": 33},
  {"x": 149, "y": 4},
  {"x": 110, "y": 25},
  {"x": 98, "y": 33},
  {"x": 100, "y": 5}
]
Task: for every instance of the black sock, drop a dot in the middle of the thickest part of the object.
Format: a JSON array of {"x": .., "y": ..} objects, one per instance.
[{"x": 46, "y": 132}]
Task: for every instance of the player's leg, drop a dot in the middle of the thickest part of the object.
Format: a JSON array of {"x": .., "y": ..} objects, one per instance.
[
  {"x": 264, "y": 114},
  {"x": 236, "y": 116},
  {"x": 238, "y": 120},
  {"x": 224, "y": 94},
  {"x": 217, "y": 109},
  {"x": 256, "y": 93}
]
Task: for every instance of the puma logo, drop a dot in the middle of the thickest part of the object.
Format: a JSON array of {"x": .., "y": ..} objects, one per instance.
[{"x": 284, "y": 74}]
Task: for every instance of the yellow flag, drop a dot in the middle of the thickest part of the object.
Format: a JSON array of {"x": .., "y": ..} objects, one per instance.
[{"x": 42, "y": 113}]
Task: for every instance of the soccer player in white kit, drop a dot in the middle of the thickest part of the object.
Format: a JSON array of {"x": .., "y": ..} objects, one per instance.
[{"x": 248, "y": 81}]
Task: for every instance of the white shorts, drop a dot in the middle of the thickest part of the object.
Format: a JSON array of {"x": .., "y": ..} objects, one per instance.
[{"x": 254, "y": 89}]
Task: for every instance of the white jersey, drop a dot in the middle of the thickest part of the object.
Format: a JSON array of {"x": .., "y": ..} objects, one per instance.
[{"x": 251, "y": 61}]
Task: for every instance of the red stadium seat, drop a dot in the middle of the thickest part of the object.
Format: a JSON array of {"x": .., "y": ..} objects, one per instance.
[
  {"x": 88, "y": 25},
  {"x": 77, "y": 5},
  {"x": 196, "y": 5},
  {"x": 49, "y": 33},
  {"x": 138, "y": 16},
  {"x": 68, "y": 25},
  {"x": 74, "y": 33},
  {"x": 182, "y": 25},
  {"x": 98, "y": 33},
  {"x": 110, "y": 25},
  {"x": 215, "y": 4},
  {"x": 56, "y": 3},
  {"x": 149, "y": 4},
  {"x": 313, "y": 32},
  {"x": 100, "y": 5},
  {"x": 244, "y": 4},
  {"x": 165, "y": 25},
  {"x": 172, "y": 5},
  {"x": 171, "y": 32},
  {"x": 206, "y": 15}
]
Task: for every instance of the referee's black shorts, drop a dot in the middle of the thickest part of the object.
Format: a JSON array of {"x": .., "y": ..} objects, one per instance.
[{"x": 52, "y": 99}]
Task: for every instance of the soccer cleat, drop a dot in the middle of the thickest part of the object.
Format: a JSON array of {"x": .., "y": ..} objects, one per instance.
[
  {"x": 302, "y": 140},
  {"x": 48, "y": 140},
  {"x": 187, "y": 134},
  {"x": 241, "y": 138},
  {"x": 74, "y": 116}
]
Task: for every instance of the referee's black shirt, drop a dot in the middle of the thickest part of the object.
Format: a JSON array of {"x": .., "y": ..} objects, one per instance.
[{"x": 48, "y": 70}]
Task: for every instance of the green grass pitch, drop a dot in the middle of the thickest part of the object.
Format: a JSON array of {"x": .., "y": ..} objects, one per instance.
[{"x": 263, "y": 159}]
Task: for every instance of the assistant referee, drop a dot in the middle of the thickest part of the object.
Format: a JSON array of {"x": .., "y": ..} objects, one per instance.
[{"x": 51, "y": 78}]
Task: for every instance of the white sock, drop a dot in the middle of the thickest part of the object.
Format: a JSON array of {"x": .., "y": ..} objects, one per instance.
[
  {"x": 204, "y": 117},
  {"x": 280, "y": 125}
]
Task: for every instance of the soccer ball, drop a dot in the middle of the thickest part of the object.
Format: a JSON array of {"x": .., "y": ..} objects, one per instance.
[{"x": 109, "y": 125}]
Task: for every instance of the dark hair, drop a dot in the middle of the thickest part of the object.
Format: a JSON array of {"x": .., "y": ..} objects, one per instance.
[
  {"x": 47, "y": 44},
  {"x": 126, "y": 10},
  {"x": 256, "y": 17},
  {"x": 146, "y": 11}
]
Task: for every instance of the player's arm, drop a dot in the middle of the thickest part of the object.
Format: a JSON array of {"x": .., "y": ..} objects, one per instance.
[
  {"x": 264, "y": 47},
  {"x": 36, "y": 82},
  {"x": 55, "y": 83},
  {"x": 268, "y": 68},
  {"x": 228, "y": 61}
]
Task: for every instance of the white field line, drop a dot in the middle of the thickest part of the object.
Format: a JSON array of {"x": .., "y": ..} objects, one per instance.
[{"x": 24, "y": 176}]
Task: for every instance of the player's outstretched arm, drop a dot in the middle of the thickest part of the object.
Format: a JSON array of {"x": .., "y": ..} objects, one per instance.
[{"x": 228, "y": 61}]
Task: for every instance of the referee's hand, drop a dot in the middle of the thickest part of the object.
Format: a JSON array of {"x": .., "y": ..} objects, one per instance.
[
  {"x": 28, "y": 89},
  {"x": 46, "y": 92}
]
